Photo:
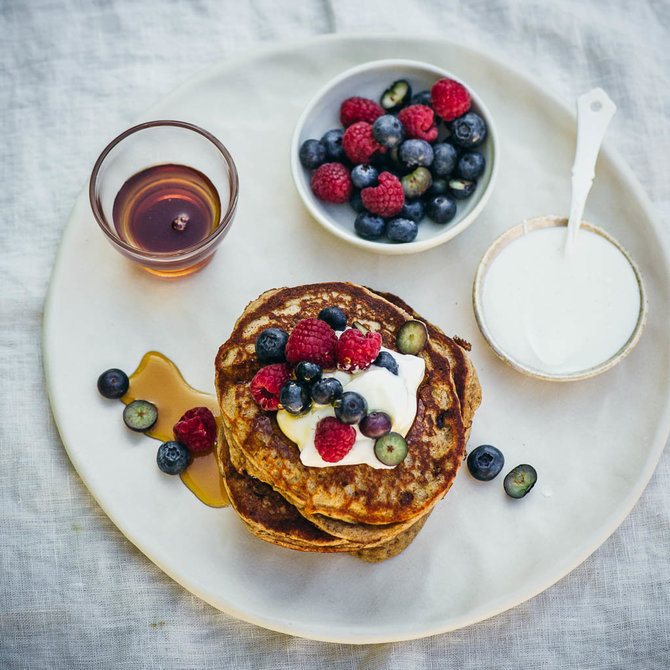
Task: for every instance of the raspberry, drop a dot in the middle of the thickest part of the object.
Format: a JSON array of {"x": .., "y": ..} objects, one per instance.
[
  {"x": 359, "y": 143},
  {"x": 333, "y": 439},
  {"x": 357, "y": 351},
  {"x": 196, "y": 429},
  {"x": 331, "y": 182},
  {"x": 312, "y": 340},
  {"x": 359, "y": 109},
  {"x": 387, "y": 198},
  {"x": 449, "y": 99},
  {"x": 418, "y": 122},
  {"x": 267, "y": 383}
]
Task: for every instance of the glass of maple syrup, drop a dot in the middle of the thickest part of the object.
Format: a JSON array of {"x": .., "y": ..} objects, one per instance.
[{"x": 165, "y": 194}]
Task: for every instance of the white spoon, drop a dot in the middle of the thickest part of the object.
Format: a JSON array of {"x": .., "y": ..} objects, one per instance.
[{"x": 594, "y": 112}]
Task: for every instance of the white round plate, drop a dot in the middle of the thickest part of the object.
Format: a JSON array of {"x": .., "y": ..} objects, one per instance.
[{"x": 594, "y": 443}]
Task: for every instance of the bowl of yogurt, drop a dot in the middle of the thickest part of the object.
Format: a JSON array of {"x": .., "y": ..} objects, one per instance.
[{"x": 559, "y": 315}]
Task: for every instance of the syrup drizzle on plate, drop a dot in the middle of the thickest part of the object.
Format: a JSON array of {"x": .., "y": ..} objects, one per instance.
[{"x": 158, "y": 380}]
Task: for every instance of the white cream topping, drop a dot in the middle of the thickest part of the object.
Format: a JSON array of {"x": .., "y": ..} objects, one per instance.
[{"x": 383, "y": 391}]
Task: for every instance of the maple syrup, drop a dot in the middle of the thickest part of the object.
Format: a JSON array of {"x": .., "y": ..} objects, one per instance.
[
  {"x": 158, "y": 380},
  {"x": 166, "y": 209}
]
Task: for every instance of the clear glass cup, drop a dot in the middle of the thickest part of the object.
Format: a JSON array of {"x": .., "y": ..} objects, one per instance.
[{"x": 145, "y": 154}]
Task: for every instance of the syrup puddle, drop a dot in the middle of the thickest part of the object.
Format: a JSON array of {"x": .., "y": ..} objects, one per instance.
[{"x": 158, "y": 380}]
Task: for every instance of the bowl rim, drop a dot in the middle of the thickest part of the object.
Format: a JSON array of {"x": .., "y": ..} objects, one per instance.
[
  {"x": 451, "y": 230},
  {"x": 511, "y": 234}
]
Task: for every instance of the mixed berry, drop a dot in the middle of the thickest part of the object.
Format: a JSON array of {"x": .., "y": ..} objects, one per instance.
[
  {"x": 395, "y": 162},
  {"x": 298, "y": 377},
  {"x": 486, "y": 462}
]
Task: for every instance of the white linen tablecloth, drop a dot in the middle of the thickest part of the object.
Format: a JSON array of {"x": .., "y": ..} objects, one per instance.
[{"x": 74, "y": 593}]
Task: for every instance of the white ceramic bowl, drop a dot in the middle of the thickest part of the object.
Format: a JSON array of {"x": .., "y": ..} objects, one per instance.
[{"x": 371, "y": 80}]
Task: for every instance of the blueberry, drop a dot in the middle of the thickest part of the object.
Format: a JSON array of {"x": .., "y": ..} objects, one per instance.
[
  {"x": 412, "y": 337},
  {"x": 113, "y": 383},
  {"x": 386, "y": 360},
  {"x": 413, "y": 209},
  {"x": 388, "y": 131},
  {"x": 308, "y": 372},
  {"x": 401, "y": 230},
  {"x": 415, "y": 153},
  {"x": 332, "y": 140},
  {"x": 334, "y": 317},
  {"x": 446, "y": 159},
  {"x": 312, "y": 154},
  {"x": 326, "y": 390},
  {"x": 520, "y": 480},
  {"x": 140, "y": 415},
  {"x": 363, "y": 176},
  {"x": 270, "y": 346},
  {"x": 375, "y": 424},
  {"x": 441, "y": 208},
  {"x": 471, "y": 165},
  {"x": 391, "y": 448},
  {"x": 468, "y": 131},
  {"x": 396, "y": 96},
  {"x": 485, "y": 462},
  {"x": 461, "y": 188},
  {"x": 421, "y": 98},
  {"x": 368, "y": 226},
  {"x": 416, "y": 183},
  {"x": 356, "y": 201},
  {"x": 350, "y": 407},
  {"x": 294, "y": 397},
  {"x": 173, "y": 457},
  {"x": 440, "y": 186}
]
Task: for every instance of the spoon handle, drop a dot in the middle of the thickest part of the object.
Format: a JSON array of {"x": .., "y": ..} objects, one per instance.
[{"x": 594, "y": 112}]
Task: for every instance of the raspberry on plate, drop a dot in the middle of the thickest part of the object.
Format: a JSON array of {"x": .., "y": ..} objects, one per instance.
[
  {"x": 387, "y": 198},
  {"x": 359, "y": 109},
  {"x": 360, "y": 144},
  {"x": 418, "y": 122},
  {"x": 449, "y": 99},
  {"x": 267, "y": 383},
  {"x": 357, "y": 351},
  {"x": 333, "y": 439},
  {"x": 312, "y": 340},
  {"x": 196, "y": 429},
  {"x": 331, "y": 182}
]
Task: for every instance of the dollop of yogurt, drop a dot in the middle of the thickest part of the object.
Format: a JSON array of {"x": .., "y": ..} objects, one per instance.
[{"x": 383, "y": 391}]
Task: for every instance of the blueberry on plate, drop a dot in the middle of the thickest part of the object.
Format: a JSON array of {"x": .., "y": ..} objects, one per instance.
[
  {"x": 173, "y": 457},
  {"x": 471, "y": 165},
  {"x": 334, "y": 317},
  {"x": 413, "y": 209},
  {"x": 356, "y": 201},
  {"x": 416, "y": 183},
  {"x": 294, "y": 397},
  {"x": 350, "y": 407},
  {"x": 270, "y": 346},
  {"x": 445, "y": 160},
  {"x": 388, "y": 131},
  {"x": 368, "y": 226},
  {"x": 421, "y": 98},
  {"x": 308, "y": 372},
  {"x": 391, "y": 448},
  {"x": 415, "y": 153},
  {"x": 375, "y": 424},
  {"x": 312, "y": 154},
  {"x": 402, "y": 230},
  {"x": 113, "y": 383},
  {"x": 140, "y": 415},
  {"x": 468, "y": 131},
  {"x": 386, "y": 360},
  {"x": 396, "y": 96},
  {"x": 519, "y": 481},
  {"x": 364, "y": 175},
  {"x": 441, "y": 208},
  {"x": 461, "y": 188},
  {"x": 485, "y": 462},
  {"x": 326, "y": 390},
  {"x": 332, "y": 140}
]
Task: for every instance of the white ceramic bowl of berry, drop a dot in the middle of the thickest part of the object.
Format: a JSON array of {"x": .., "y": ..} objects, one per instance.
[{"x": 373, "y": 80}]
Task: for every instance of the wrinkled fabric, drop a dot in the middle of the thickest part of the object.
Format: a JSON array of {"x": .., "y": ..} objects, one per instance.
[{"x": 74, "y": 593}]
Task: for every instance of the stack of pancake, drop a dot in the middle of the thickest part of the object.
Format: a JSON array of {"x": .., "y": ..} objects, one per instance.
[{"x": 372, "y": 513}]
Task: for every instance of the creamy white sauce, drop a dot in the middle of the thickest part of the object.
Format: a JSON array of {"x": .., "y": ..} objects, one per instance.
[
  {"x": 383, "y": 391},
  {"x": 560, "y": 313}
]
